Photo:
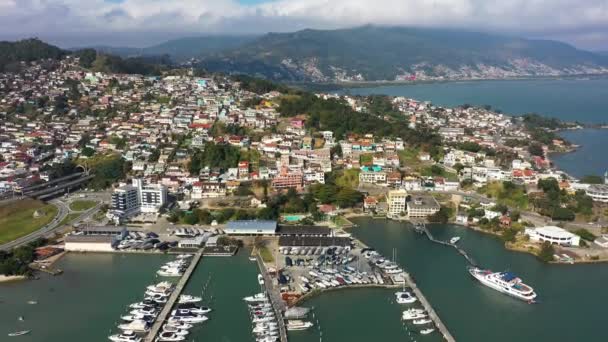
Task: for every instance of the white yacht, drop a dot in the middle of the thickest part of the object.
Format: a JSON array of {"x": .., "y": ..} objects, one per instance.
[
  {"x": 260, "y": 297},
  {"x": 168, "y": 336},
  {"x": 171, "y": 272},
  {"x": 185, "y": 299},
  {"x": 177, "y": 331},
  {"x": 260, "y": 279},
  {"x": 454, "y": 240},
  {"x": 413, "y": 314},
  {"x": 187, "y": 319},
  {"x": 422, "y": 321},
  {"x": 404, "y": 297},
  {"x": 393, "y": 271},
  {"x": 505, "y": 282},
  {"x": 161, "y": 287},
  {"x": 426, "y": 331},
  {"x": 126, "y": 336},
  {"x": 298, "y": 325},
  {"x": 179, "y": 325},
  {"x": 184, "y": 256},
  {"x": 135, "y": 326}
]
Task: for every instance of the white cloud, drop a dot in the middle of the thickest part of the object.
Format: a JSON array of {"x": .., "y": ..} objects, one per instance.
[{"x": 567, "y": 18}]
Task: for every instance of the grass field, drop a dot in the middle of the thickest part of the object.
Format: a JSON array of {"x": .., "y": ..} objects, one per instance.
[
  {"x": 17, "y": 218},
  {"x": 266, "y": 254},
  {"x": 69, "y": 218},
  {"x": 82, "y": 205}
]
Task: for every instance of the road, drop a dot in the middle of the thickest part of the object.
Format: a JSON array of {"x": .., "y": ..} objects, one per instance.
[{"x": 63, "y": 210}]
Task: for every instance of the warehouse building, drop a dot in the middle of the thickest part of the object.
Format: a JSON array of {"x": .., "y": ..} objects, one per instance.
[{"x": 251, "y": 227}]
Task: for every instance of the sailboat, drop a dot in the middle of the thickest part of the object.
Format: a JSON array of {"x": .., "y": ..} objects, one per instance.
[{"x": 19, "y": 333}]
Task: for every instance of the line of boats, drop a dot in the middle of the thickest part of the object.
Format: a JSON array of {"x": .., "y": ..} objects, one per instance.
[
  {"x": 266, "y": 323},
  {"x": 175, "y": 268}
]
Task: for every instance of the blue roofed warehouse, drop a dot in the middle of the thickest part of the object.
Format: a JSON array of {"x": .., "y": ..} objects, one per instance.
[{"x": 251, "y": 227}]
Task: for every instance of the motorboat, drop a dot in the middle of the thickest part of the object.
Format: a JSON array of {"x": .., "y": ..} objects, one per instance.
[
  {"x": 188, "y": 319},
  {"x": 195, "y": 311},
  {"x": 260, "y": 279},
  {"x": 184, "y": 256},
  {"x": 260, "y": 297},
  {"x": 298, "y": 325},
  {"x": 135, "y": 326},
  {"x": 19, "y": 333},
  {"x": 161, "y": 287},
  {"x": 454, "y": 240},
  {"x": 405, "y": 297},
  {"x": 184, "y": 299},
  {"x": 169, "y": 336},
  {"x": 422, "y": 321},
  {"x": 126, "y": 336},
  {"x": 413, "y": 314},
  {"x": 426, "y": 331},
  {"x": 179, "y": 325},
  {"x": 505, "y": 282},
  {"x": 177, "y": 331},
  {"x": 393, "y": 271},
  {"x": 170, "y": 272}
]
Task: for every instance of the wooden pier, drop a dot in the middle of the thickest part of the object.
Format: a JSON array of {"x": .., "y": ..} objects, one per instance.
[
  {"x": 162, "y": 317},
  {"x": 429, "y": 309},
  {"x": 446, "y": 243},
  {"x": 278, "y": 305}
]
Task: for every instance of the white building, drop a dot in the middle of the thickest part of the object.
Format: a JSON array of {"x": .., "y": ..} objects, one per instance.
[
  {"x": 598, "y": 192},
  {"x": 152, "y": 197},
  {"x": 422, "y": 206},
  {"x": 553, "y": 235},
  {"x": 130, "y": 200}
]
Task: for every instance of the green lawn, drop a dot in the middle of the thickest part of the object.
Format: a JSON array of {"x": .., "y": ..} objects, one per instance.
[
  {"x": 17, "y": 218},
  {"x": 82, "y": 205},
  {"x": 266, "y": 254},
  {"x": 69, "y": 218}
]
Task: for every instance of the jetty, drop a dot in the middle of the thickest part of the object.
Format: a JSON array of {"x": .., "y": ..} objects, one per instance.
[
  {"x": 162, "y": 317},
  {"x": 421, "y": 226},
  {"x": 429, "y": 309},
  {"x": 278, "y": 305}
]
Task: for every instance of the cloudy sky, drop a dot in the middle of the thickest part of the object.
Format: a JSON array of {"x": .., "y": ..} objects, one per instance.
[{"x": 583, "y": 23}]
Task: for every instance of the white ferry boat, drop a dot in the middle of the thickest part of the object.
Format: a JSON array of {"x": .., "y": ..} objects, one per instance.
[{"x": 505, "y": 282}]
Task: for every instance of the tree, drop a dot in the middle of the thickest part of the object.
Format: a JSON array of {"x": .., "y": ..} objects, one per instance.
[
  {"x": 536, "y": 150},
  {"x": 442, "y": 216},
  {"x": 88, "y": 152},
  {"x": 546, "y": 252},
  {"x": 592, "y": 179}
]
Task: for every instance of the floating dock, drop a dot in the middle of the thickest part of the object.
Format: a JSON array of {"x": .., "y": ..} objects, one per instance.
[
  {"x": 162, "y": 317},
  {"x": 278, "y": 304},
  {"x": 446, "y": 243}
]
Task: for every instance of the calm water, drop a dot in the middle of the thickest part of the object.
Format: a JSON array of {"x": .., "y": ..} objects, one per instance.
[
  {"x": 573, "y": 297},
  {"x": 568, "y": 99},
  {"x": 83, "y": 304},
  {"x": 590, "y": 158}
]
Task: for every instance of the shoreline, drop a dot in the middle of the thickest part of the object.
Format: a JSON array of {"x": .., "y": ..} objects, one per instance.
[
  {"x": 383, "y": 83},
  {"x": 10, "y": 279},
  {"x": 506, "y": 245}
]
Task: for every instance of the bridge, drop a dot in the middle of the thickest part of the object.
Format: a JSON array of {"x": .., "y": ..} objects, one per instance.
[{"x": 55, "y": 187}]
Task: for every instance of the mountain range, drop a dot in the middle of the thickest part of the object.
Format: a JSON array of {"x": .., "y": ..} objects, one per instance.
[{"x": 375, "y": 53}]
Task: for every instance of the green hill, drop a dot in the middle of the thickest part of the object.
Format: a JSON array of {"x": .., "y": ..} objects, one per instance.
[
  {"x": 384, "y": 53},
  {"x": 11, "y": 53}
]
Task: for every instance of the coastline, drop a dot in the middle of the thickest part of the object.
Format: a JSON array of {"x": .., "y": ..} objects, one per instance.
[
  {"x": 506, "y": 245},
  {"x": 388, "y": 83},
  {"x": 9, "y": 279}
]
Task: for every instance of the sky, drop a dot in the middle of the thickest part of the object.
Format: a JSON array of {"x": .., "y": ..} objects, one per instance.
[{"x": 139, "y": 23}]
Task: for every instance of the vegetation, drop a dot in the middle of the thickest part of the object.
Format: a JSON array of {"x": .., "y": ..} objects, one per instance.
[
  {"x": 17, "y": 218},
  {"x": 102, "y": 62},
  {"x": 258, "y": 85},
  {"x": 546, "y": 252},
  {"x": 82, "y": 205},
  {"x": 223, "y": 156},
  {"x": 16, "y": 261},
  {"x": 585, "y": 234},
  {"x": 507, "y": 193},
  {"x": 107, "y": 169},
  {"x": 11, "y": 53},
  {"x": 592, "y": 179},
  {"x": 559, "y": 204},
  {"x": 442, "y": 216},
  {"x": 337, "y": 116}
]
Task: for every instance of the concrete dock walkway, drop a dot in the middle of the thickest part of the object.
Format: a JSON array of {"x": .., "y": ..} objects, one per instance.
[
  {"x": 274, "y": 294},
  {"x": 162, "y": 317}
]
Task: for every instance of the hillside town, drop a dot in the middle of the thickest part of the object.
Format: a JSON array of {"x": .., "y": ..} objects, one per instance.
[{"x": 187, "y": 149}]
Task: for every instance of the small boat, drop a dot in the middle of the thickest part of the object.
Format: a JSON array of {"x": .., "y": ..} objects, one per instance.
[
  {"x": 252, "y": 258},
  {"x": 405, "y": 297},
  {"x": 169, "y": 336},
  {"x": 184, "y": 256},
  {"x": 426, "y": 331},
  {"x": 21, "y": 318},
  {"x": 19, "y": 333},
  {"x": 454, "y": 240},
  {"x": 184, "y": 299},
  {"x": 260, "y": 297},
  {"x": 32, "y": 302},
  {"x": 422, "y": 321},
  {"x": 126, "y": 336},
  {"x": 298, "y": 325},
  {"x": 260, "y": 279}
]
